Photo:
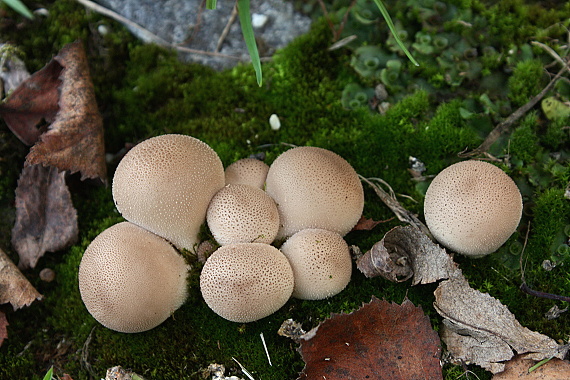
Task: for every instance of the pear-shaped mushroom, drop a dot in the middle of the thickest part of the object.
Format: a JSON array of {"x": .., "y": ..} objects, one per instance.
[
  {"x": 247, "y": 281},
  {"x": 165, "y": 183},
  {"x": 242, "y": 214},
  {"x": 321, "y": 263},
  {"x": 314, "y": 188},
  {"x": 130, "y": 279},
  {"x": 472, "y": 208},
  {"x": 247, "y": 171}
]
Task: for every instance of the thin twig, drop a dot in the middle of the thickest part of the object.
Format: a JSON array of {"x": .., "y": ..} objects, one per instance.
[
  {"x": 226, "y": 30},
  {"x": 505, "y": 125}
]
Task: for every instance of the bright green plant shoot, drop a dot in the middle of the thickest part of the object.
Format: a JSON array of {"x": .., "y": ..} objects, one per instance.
[
  {"x": 19, "y": 7},
  {"x": 49, "y": 374}
]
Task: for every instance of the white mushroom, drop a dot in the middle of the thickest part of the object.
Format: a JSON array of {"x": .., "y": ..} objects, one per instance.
[
  {"x": 130, "y": 279},
  {"x": 165, "y": 184},
  {"x": 242, "y": 214},
  {"x": 246, "y": 282},
  {"x": 472, "y": 208},
  {"x": 314, "y": 188},
  {"x": 247, "y": 171},
  {"x": 321, "y": 263}
]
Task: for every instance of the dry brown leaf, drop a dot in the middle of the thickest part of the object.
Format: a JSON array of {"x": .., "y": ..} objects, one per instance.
[
  {"x": 3, "y": 327},
  {"x": 45, "y": 217},
  {"x": 14, "y": 287},
  {"x": 518, "y": 368},
  {"x": 365, "y": 224},
  {"x": 406, "y": 252},
  {"x": 479, "y": 329},
  {"x": 381, "y": 340},
  {"x": 74, "y": 140}
]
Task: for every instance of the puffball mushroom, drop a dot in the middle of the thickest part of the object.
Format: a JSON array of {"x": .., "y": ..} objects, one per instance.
[
  {"x": 247, "y": 281},
  {"x": 130, "y": 279},
  {"x": 314, "y": 188},
  {"x": 165, "y": 183},
  {"x": 242, "y": 214},
  {"x": 321, "y": 263},
  {"x": 247, "y": 171},
  {"x": 472, "y": 208}
]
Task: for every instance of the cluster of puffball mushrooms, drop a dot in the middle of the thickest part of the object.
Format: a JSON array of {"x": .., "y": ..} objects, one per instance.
[{"x": 132, "y": 277}]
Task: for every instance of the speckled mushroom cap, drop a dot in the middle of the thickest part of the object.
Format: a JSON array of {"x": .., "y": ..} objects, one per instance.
[
  {"x": 472, "y": 208},
  {"x": 130, "y": 279},
  {"x": 247, "y": 281},
  {"x": 314, "y": 188},
  {"x": 247, "y": 171},
  {"x": 242, "y": 214},
  {"x": 165, "y": 184},
  {"x": 321, "y": 263}
]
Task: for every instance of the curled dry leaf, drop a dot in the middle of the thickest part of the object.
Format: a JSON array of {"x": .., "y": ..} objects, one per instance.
[
  {"x": 365, "y": 224},
  {"x": 14, "y": 287},
  {"x": 518, "y": 368},
  {"x": 45, "y": 217},
  {"x": 381, "y": 340},
  {"x": 62, "y": 94},
  {"x": 406, "y": 252},
  {"x": 479, "y": 329}
]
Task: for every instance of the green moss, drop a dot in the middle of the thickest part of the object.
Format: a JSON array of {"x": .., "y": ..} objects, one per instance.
[
  {"x": 523, "y": 142},
  {"x": 528, "y": 80}
]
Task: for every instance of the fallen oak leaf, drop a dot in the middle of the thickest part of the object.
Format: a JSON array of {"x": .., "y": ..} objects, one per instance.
[
  {"x": 479, "y": 329},
  {"x": 74, "y": 141},
  {"x": 45, "y": 217},
  {"x": 14, "y": 287},
  {"x": 381, "y": 340},
  {"x": 521, "y": 368},
  {"x": 405, "y": 252}
]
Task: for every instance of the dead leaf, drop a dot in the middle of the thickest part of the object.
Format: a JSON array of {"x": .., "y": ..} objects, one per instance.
[
  {"x": 14, "y": 287},
  {"x": 33, "y": 100},
  {"x": 74, "y": 140},
  {"x": 406, "y": 252},
  {"x": 61, "y": 93},
  {"x": 381, "y": 340},
  {"x": 45, "y": 217},
  {"x": 517, "y": 368},
  {"x": 365, "y": 224},
  {"x": 3, "y": 329},
  {"x": 479, "y": 329}
]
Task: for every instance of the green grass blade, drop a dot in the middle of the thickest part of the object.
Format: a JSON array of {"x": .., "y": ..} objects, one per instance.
[
  {"x": 19, "y": 7},
  {"x": 248, "y": 36},
  {"x": 211, "y": 4},
  {"x": 49, "y": 374},
  {"x": 390, "y": 24}
]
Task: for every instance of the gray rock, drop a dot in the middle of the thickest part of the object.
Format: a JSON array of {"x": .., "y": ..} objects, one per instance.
[{"x": 186, "y": 23}]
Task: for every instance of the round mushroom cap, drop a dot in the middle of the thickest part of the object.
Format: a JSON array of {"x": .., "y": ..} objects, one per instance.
[
  {"x": 165, "y": 183},
  {"x": 242, "y": 214},
  {"x": 314, "y": 188},
  {"x": 247, "y": 281},
  {"x": 472, "y": 208},
  {"x": 321, "y": 263},
  {"x": 247, "y": 171},
  {"x": 130, "y": 279}
]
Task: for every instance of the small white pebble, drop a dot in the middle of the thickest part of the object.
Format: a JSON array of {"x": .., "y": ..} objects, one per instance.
[
  {"x": 274, "y": 122},
  {"x": 258, "y": 20},
  {"x": 103, "y": 30}
]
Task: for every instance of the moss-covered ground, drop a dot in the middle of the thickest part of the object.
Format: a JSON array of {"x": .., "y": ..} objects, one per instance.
[{"x": 468, "y": 81}]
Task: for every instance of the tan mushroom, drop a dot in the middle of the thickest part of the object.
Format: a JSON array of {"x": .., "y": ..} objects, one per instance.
[
  {"x": 130, "y": 279},
  {"x": 314, "y": 188},
  {"x": 472, "y": 208},
  {"x": 242, "y": 214},
  {"x": 246, "y": 282},
  {"x": 321, "y": 263},
  {"x": 165, "y": 183},
  {"x": 247, "y": 171}
]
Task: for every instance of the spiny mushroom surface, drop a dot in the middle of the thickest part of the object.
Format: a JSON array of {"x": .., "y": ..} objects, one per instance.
[
  {"x": 247, "y": 281},
  {"x": 314, "y": 188},
  {"x": 472, "y": 208},
  {"x": 130, "y": 279},
  {"x": 247, "y": 171},
  {"x": 165, "y": 183},
  {"x": 242, "y": 214},
  {"x": 321, "y": 263}
]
